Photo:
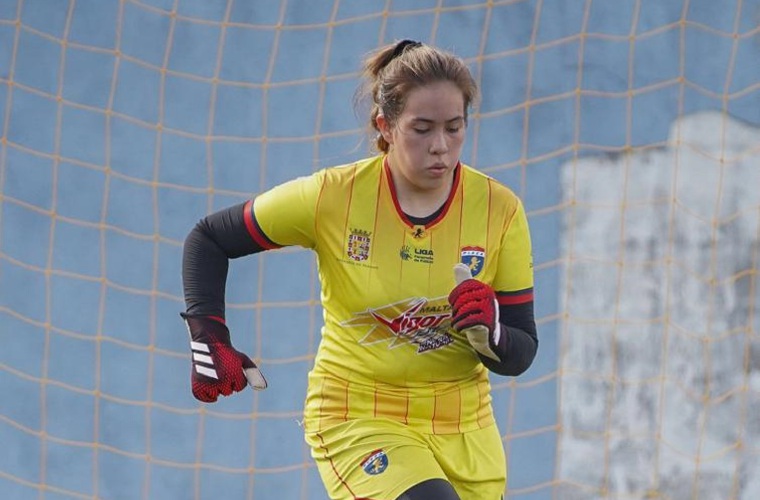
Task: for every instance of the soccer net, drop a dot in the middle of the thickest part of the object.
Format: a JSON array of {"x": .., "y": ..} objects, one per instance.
[{"x": 629, "y": 129}]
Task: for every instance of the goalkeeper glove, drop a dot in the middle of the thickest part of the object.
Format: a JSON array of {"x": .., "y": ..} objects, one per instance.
[
  {"x": 475, "y": 312},
  {"x": 218, "y": 368}
]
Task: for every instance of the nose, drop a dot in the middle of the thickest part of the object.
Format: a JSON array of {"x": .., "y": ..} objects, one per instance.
[{"x": 439, "y": 145}]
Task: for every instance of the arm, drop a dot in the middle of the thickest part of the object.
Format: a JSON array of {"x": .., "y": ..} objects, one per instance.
[
  {"x": 502, "y": 334},
  {"x": 212, "y": 242},
  {"x": 518, "y": 340},
  {"x": 500, "y": 324},
  {"x": 285, "y": 214},
  {"x": 218, "y": 368}
]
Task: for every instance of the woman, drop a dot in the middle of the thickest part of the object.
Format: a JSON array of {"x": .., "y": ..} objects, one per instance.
[{"x": 427, "y": 284}]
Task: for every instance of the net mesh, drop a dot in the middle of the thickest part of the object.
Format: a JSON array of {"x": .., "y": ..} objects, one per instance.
[{"x": 625, "y": 127}]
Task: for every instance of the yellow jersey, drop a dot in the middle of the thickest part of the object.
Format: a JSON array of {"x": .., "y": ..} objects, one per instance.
[{"x": 387, "y": 348}]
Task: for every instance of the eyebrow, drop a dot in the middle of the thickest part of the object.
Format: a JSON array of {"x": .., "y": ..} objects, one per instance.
[{"x": 428, "y": 120}]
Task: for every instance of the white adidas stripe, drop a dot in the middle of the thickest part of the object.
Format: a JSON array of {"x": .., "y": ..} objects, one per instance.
[
  {"x": 198, "y": 346},
  {"x": 206, "y": 371},
  {"x": 199, "y": 357},
  {"x": 203, "y": 358}
]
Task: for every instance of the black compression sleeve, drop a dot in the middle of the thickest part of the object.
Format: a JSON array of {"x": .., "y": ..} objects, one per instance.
[
  {"x": 205, "y": 260},
  {"x": 518, "y": 342}
]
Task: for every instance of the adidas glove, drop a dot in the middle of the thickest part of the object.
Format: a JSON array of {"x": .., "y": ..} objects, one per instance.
[
  {"x": 217, "y": 367},
  {"x": 475, "y": 312}
]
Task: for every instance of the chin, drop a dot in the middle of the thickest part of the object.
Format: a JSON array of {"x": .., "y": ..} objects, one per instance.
[{"x": 435, "y": 183}]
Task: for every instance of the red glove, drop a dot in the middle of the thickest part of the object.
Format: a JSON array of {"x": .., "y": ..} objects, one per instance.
[
  {"x": 475, "y": 311},
  {"x": 217, "y": 367}
]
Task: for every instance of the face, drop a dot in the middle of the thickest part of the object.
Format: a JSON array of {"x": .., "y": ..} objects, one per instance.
[{"x": 426, "y": 139}]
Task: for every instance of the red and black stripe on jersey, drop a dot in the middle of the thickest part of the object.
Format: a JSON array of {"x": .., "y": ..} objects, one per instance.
[
  {"x": 516, "y": 297},
  {"x": 254, "y": 229}
]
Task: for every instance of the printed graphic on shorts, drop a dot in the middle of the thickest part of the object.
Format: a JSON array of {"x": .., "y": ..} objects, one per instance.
[{"x": 375, "y": 463}]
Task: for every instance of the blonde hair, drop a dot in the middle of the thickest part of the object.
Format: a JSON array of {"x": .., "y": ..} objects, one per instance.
[{"x": 394, "y": 70}]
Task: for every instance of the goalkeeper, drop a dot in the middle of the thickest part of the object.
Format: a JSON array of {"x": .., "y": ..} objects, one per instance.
[{"x": 427, "y": 285}]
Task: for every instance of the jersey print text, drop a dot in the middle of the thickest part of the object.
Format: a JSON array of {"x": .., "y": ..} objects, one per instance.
[{"x": 415, "y": 321}]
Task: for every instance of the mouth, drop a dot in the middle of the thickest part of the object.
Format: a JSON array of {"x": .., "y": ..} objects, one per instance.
[{"x": 438, "y": 168}]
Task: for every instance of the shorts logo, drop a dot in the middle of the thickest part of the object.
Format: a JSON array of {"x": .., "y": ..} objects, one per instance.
[
  {"x": 474, "y": 258},
  {"x": 375, "y": 463},
  {"x": 358, "y": 245}
]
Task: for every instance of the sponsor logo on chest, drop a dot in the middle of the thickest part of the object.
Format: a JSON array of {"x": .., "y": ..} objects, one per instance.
[
  {"x": 413, "y": 322},
  {"x": 414, "y": 254}
]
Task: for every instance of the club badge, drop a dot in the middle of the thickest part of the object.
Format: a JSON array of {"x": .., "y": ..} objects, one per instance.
[
  {"x": 474, "y": 258},
  {"x": 375, "y": 463},
  {"x": 358, "y": 245}
]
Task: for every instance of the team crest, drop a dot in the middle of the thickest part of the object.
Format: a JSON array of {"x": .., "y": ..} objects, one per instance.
[
  {"x": 474, "y": 258},
  {"x": 358, "y": 245},
  {"x": 375, "y": 463}
]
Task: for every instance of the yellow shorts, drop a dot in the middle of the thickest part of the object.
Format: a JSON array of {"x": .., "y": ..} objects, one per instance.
[{"x": 380, "y": 459}]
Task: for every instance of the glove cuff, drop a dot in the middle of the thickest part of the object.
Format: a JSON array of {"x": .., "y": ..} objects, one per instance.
[{"x": 207, "y": 329}]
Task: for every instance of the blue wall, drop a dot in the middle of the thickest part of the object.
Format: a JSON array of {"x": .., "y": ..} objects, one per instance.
[{"x": 122, "y": 125}]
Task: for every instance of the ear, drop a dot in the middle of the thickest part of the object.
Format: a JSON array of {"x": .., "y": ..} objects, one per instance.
[{"x": 385, "y": 128}]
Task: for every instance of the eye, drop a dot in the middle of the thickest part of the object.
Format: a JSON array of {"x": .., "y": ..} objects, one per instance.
[
  {"x": 453, "y": 130},
  {"x": 421, "y": 130}
]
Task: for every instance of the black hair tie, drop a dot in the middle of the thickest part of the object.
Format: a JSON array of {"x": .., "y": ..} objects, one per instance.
[{"x": 402, "y": 45}]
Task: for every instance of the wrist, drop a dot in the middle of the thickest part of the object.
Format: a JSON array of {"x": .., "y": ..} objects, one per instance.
[{"x": 207, "y": 329}]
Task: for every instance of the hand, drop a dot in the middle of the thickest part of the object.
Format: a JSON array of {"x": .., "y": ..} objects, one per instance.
[
  {"x": 475, "y": 311},
  {"x": 217, "y": 367}
]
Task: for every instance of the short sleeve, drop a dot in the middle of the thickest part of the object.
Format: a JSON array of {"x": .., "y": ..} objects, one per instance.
[
  {"x": 285, "y": 214},
  {"x": 514, "y": 277}
]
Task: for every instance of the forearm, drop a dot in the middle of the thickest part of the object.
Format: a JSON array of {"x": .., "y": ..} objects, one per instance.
[
  {"x": 204, "y": 274},
  {"x": 516, "y": 350},
  {"x": 518, "y": 341},
  {"x": 205, "y": 260}
]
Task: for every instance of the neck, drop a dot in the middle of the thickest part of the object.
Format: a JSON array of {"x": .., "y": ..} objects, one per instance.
[
  {"x": 421, "y": 203},
  {"x": 418, "y": 201}
]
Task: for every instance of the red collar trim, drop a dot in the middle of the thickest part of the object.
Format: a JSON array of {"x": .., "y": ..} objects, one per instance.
[{"x": 446, "y": 205}]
